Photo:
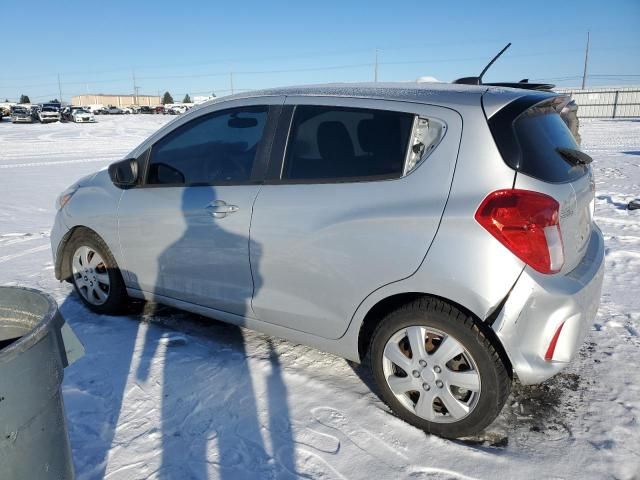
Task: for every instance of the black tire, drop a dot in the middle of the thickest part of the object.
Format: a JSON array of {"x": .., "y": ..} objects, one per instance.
[
  {"x": 117, "y": 297},
  {"x": 492, "y": 368}
]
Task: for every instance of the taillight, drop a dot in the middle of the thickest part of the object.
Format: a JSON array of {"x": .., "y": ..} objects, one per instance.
[{"x": 527, "y": 223}]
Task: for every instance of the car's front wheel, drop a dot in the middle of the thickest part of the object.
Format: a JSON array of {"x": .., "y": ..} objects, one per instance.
[
  {"x": 95, "y": 274},
  {"x": 437, "y": 370}
]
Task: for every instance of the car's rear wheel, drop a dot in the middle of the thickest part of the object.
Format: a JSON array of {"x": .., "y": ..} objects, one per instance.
[
  {"x": 437, "y": 370},
  {"x": 95, "y": 274}
]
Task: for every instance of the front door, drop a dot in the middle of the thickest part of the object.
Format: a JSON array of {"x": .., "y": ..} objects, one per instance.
[{"x": 185, "y": 232}]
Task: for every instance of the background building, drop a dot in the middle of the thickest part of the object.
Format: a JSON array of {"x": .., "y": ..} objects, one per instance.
[{"x": 116, "y": 100}]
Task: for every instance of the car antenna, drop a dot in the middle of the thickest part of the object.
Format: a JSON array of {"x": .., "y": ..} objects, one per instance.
[{"x": 478, "y": 80}]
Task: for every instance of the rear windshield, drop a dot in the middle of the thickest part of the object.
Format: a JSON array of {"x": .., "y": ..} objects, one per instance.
[{"x": 539, "y": 132}]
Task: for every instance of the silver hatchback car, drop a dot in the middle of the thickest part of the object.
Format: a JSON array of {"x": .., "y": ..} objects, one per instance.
[{"x": 444, "y": 233}]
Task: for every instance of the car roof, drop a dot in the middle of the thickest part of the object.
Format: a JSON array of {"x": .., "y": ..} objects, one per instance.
[{"x": 420, "y": 92}]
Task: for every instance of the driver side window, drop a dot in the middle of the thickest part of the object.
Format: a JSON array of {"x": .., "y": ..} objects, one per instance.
[{"x": 214, "y": 149}]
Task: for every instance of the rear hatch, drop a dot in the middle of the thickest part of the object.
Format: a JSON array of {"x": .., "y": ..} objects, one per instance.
[{"x": 535, "y": 141}]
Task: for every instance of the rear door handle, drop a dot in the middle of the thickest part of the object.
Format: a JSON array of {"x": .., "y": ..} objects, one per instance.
[{"x": 220, "y": 209}]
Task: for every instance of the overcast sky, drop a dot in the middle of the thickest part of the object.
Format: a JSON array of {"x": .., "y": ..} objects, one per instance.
[{"x": 190, "y": 47}]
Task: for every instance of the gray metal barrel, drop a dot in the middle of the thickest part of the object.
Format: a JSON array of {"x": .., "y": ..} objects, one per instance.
[{"x": 35, "y": 346}]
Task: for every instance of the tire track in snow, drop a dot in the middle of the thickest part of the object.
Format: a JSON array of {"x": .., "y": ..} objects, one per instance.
[
  {"x": 13, "y": 238},
  {"x": 40, "y": 248}
]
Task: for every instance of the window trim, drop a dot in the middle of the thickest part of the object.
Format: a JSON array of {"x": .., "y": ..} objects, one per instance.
[{"x": 261, "y": 161}]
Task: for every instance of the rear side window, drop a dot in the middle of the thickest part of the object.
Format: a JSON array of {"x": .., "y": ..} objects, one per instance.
[
  {"x": 346, "y": 144},
  {"x": 539, "y": 134},
  {"x": 217, "y": 148}
]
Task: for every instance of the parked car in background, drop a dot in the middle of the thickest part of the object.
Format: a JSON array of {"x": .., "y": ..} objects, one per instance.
[
  {"x": 145, "y": 109},
  {"x": 5, "y": 108},
  {"x": 80, "y": 115},
  {"x": 34, "y": 112},
  {"x": 159, "y": 109},
  {"x": 113, "y": 110},
  {"x": 48, "y": 114},
  {"x": 21, "y": 115},
  {"x": 177, "y": 110},
  {"x": 126, "y": 110},
  {"x": 96, "y": 109},
  {"x": 452, "y": 259},
  {"x": 66, "y": 112},
  {"x": 56, "y": 105}
]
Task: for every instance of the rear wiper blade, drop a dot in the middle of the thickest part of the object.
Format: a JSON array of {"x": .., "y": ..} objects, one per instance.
[{"x": 574, "y": 156}]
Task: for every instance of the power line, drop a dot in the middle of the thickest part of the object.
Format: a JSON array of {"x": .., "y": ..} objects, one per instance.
[
  {"x": 376, "y": 64},
  {"x": 312, "y": 53},
  {"x": 309, "y": 54}
]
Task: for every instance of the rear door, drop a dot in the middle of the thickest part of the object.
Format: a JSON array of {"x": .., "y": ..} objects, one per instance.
[{"x": 354, "y": 198}]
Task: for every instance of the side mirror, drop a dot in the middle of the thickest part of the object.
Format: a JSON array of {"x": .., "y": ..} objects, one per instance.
[{"x": 124, "y": 174}]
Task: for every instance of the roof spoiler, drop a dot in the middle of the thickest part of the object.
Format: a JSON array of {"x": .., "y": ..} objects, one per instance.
[{"x": 524, "y": 83}]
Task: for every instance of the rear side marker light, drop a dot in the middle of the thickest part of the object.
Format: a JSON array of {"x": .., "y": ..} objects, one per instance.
[
  {"x": 527, "y": 223},
  {"x": 552, "y": 345}
]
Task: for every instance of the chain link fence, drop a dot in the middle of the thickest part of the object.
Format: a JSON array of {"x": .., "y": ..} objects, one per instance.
[{"x": 606, "y": 102}]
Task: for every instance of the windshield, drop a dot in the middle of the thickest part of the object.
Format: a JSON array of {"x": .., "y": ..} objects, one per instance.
[
  {"x": 19, "y": 110},
  {"x": 49, "y": 109},
  {"x": 80, "y": 110}
]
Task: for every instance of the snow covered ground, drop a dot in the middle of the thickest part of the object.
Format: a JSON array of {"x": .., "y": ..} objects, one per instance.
[{"x": 166, "y": 394}]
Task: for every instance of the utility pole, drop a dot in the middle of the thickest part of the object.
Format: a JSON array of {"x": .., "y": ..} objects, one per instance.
[
  {"x": 135, "y": 87},
  {"x": 375, "y": 68},
  {"x": 231, "y": 81},
  {"x": 586, "y": 61},
  {"x": 59, "y": 88}
]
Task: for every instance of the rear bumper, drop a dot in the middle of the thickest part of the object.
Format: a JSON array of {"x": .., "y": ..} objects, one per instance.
[{"x": 539, "y": 305}]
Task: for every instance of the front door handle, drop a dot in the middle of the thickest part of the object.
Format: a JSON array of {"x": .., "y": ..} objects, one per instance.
[{"x": 220, "y": 209}]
